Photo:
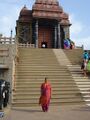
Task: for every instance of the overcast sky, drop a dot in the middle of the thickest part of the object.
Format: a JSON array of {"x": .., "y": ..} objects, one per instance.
[{"x": 78, "y": 11}]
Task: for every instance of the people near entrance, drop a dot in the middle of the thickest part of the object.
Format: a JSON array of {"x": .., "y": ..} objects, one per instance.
[
  {"x": 45, "y": 97},
  {"x": 88, "y": 65},
  {"x": 85, "y": 56},
  {"x": 72, "y": 45},
  {"x": 68, "y": 44},
  {"x": 85, "y": 66},
  {"x": 44, "y": 44},
  {"x": 89, "y": 55}
]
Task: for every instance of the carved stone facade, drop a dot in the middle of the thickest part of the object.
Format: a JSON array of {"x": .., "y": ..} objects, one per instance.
[{"x": 46, "y": 25}]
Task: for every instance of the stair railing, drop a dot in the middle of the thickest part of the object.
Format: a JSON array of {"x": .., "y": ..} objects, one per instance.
[
  {"x": 28, "y": 45},
  {"x": 7, "y": 40}
]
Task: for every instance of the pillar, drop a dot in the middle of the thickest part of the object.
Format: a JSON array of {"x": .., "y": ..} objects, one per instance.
[
  {"x": 36, "y": 27},
  {"x": 11, "y": 37},
  {"x": 66, "y": 31},
  {"x": 30, "y": 32},
  {"x": 55, "y": 36},
  {"x": 59, "y": 36}
]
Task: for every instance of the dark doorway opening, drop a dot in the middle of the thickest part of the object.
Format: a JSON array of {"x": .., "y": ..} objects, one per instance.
[{"x": 44, "y": 44}]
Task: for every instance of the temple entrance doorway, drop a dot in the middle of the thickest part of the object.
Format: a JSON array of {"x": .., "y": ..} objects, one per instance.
[{"x": 45, "y": 37}]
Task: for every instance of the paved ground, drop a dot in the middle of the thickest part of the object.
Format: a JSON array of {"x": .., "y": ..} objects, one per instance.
[{"x": 54, "y": 113}]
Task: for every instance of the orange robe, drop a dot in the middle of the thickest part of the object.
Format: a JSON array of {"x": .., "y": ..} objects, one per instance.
[{"x": 45, "y": 94}]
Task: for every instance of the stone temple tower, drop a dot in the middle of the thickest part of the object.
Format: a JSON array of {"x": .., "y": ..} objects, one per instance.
[{"x": 45, "y": 25}]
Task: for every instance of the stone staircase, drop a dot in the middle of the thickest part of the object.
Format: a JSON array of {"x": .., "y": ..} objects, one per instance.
[
  {"x": 74, "y": 55},
  {"x": 83, "y": 83},
  {"x": 36, "y": 64}
]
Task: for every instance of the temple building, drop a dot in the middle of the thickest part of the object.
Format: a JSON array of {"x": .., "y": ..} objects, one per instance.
[{"x": 46, "y": 25}]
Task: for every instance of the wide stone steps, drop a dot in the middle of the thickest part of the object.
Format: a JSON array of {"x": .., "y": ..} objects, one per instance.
[
  {"x": 39, "y": 81},
  {"x": 59, "y": 54},
  {"x": 83, "y": 83},
  {"x": 40, "y": 71},
  {"x": 27, "y": 89},
  {"x": 39, "y": 65},
  {"x": 36, "y": 64},
  {"x": 53, "y": 82},
  {"x": 43, "y": 76},
  {"x": 50, "y": 64},
  {"x": 54, "y": 86},
  {"x": 45, "y": 71},
  {"x": 58, "y": 97},
  {"x": 53, "y": 102},
  {"x": 54, "y": 93},
  {"x": 48, "y": 61},
  {"x": 37, "y": 58},
  {"x": 40, "y": 68},
  {"x": 75, "y": 55}
]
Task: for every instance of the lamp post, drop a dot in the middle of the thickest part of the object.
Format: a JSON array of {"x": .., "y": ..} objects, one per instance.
[{"x": 11, "y": 37}]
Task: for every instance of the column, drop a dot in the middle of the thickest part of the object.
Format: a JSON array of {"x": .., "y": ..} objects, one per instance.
[
  {"x": 36, "y": 44},
  {"x": 30, "y": 32},
  {"x": 59, "y": 37},
  {"x": 55, "y": 37},
  {"x": 66, "y": 31},
  {"x": 11, "y": 37}
]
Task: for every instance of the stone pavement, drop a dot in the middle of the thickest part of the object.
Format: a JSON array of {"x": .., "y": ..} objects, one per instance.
[{"x": 81, "y": 112}]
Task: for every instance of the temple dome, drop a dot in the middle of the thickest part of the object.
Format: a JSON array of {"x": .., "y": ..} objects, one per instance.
[
  {"x": 25, "y": 14},
  {"x": 24, "y": 11}
]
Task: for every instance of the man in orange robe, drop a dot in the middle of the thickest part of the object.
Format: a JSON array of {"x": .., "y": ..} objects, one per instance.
[{"x": 45, "y": 95}]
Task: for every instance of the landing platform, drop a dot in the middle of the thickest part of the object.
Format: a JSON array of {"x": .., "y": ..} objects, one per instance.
[{"x": 81, "y": 112}]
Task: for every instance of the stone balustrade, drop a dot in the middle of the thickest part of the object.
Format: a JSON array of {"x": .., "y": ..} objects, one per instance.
[{"x": 7, "y": 40}]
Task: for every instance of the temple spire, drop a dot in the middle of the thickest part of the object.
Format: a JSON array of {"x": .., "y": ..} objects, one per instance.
[
  {"x": 47, "y": 9},
  {"x": 47, "y": 1}
]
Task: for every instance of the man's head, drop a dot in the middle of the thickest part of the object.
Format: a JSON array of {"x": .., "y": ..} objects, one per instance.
[{"x": 46, "y": 80}]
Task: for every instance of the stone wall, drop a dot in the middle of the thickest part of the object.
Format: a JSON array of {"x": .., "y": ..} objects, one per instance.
[
  {"x": 7, "y": 63},
  {"x": 7, "y": 54}
]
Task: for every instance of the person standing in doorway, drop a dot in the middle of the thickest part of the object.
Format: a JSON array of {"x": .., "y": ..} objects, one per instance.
[{"x": 45, "y": 97}]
